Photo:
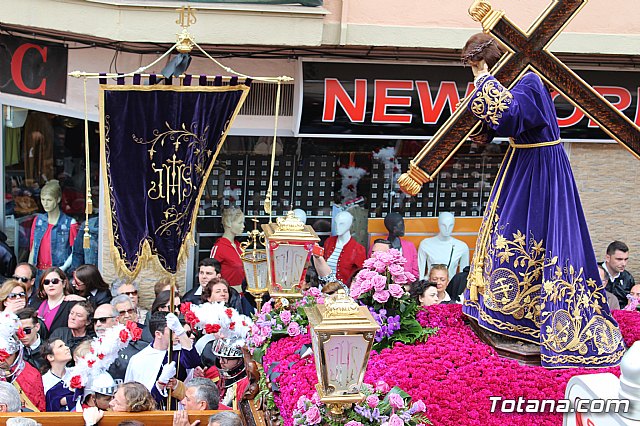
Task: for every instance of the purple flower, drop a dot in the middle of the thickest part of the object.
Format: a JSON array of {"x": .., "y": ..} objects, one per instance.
[
  {"x": 396, "y": 401},
  {"x": 293, "y": 329},
  {"x": 353, "y": 423}
]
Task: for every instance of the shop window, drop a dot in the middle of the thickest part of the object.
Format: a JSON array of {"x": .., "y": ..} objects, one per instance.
[{"x": 39, "y": 149}]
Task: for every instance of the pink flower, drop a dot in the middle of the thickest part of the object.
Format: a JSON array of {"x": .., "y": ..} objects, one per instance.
[
  {"x": 313, "y": 415},
  {"x": 285, "y": 316},
  {"x": 379, "y": 282},
  {"x": 381, "y": 296},
  {"x": 266, "y": 308},
  {"x": 394, "y": 420},
  {"x": 396, "y": 401},
  {"x": 418, "y": 407},
  {"x": 382, "y": 386},
  {"x": 293, "y": 329},
  {"x": 396, "y": 269},
  {"x": 372, "y": 401},
  {"x": 396, "y": 290},
  {"x": 379, "y": 266}
]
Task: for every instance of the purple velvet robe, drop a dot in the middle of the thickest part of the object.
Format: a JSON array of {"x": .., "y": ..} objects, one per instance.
[{"x": 534, "y": 274}]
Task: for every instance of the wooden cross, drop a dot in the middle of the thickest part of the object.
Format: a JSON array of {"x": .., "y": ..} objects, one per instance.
[{"x": 525, "y": 51}]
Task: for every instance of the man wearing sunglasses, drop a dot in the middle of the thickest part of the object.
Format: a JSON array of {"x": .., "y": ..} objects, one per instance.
[
  {"x": 105, "y": 317},
  {"x": 26, "y": 274},
  {"x": 32, "y": 339}
]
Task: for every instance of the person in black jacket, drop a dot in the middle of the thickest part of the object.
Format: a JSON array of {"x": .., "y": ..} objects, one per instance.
[
  {"x": 7, "y": 258},
  {"x": 615, "y": 264},
  {"x": 208, "y": 269},
  {"x": 219, "y": 290},
  {"x": 458, "y": 284},
  {"x": 51, "y": 304},
  {"x": 79, "y": 326},
  {"x": 33, "y": 336},
  {"x": 88, "y": 283}
]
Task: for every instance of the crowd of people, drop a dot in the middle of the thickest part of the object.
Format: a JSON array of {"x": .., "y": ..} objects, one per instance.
[{"x": 48, "y": 329}]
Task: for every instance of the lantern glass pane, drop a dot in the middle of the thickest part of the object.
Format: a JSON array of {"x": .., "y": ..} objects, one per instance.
[
  {"x": 289, "y": 263},
  {"x": 255, "y": 269},
  {"x": 345, "y": 358}
]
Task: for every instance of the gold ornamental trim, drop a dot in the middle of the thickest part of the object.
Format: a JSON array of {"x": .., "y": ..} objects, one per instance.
[
  {"x": 481, "y": 11},
  {"x": 340, "y": 305},
  {"x": 411, "y": 182}
]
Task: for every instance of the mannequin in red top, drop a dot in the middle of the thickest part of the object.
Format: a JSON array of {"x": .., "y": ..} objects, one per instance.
[
  {"x": 227, "y": 250},
  {"x": 344, "y": 254}
]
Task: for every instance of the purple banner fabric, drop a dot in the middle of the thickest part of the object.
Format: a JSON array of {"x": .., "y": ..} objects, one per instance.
[{"x": 159, "y": 146}]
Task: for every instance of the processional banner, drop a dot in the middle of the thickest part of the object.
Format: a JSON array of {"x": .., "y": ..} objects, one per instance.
[{"x": 159, "y": 144}]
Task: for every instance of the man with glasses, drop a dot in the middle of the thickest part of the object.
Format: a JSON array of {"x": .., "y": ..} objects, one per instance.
[
  {"x": 105, "y": 317},
  {"x": 26, "y": 274},
  {"x": 131, "y": 290},
  {"x": 32, "y": 339}
]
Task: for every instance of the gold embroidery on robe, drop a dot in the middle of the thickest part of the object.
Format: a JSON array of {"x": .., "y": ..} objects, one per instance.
[{"x": 491, "y": 101}]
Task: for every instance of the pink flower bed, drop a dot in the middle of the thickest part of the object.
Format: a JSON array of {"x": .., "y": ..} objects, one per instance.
[{"x": 454, "y": 373}]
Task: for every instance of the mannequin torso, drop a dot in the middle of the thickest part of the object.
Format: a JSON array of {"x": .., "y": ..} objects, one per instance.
[
  {"x": 394, "y": 222},
  {"x": 343, "y": 254},
  {"x": 443, "y": 249},
  {"x": 227, "y": 250}
]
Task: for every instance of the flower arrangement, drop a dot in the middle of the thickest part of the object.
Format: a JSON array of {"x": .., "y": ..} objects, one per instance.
[
  {"x": 382, "y": 405},
  {"x": 454, "y": 373},
  {"x": 104, "y": 351},
  {"x": 216, "y": 318},
  {"x": 280, "y": 318},
  {"x": 380, "y": 287},
  {"x": 629, "y": 322}
]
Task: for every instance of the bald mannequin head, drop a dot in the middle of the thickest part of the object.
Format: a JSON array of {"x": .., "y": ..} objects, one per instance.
[
  {"x": 394, "y": 222},
  {"x": 446, "y": 222},
  {"x": 343, "y": 220}
]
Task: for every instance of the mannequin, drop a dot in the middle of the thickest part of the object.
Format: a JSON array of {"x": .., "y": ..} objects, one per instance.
[
  {"x": 227, "y": 250},
  {"x": 52, "y": 232},
  {"x": 443, "y": 248},
  {"x": 348, "y": 254},
  {"x": 394, "y": 222}
]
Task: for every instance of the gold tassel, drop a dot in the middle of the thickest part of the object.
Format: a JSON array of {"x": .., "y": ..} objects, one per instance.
[{"x": 86, "y": 240}]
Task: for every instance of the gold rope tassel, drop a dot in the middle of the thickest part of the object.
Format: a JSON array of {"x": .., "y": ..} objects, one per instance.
[{"x": 86, "y": 240}]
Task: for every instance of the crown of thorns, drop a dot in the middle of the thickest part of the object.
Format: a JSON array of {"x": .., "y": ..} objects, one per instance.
[{"x": 476, "y": 50}]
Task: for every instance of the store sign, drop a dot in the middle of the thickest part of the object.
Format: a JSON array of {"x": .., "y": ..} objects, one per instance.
[
  {"x": 372, "y": 100},
  {"x": 33, "y": 68}
]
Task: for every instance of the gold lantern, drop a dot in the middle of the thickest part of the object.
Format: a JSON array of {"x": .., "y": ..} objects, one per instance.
[
  {"x": 289, "y": 245},
  {"x": 254, "y": 261},
  {"x": 342, "y": 334}
]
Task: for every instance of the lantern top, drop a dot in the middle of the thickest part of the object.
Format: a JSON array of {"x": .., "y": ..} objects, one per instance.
[
  {"x": 340, "y": 304},
  {"x": 289, "y": 228}
]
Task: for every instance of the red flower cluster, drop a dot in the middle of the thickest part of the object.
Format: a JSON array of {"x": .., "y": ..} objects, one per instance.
[
  {"x": 20, "y": 333},
  {"x": 4, "y": 355},
  {"x": 189, "y": 316},
  {"x": 76, "y": 382},
  {"x": 229, "y": 313},
  {"x": 629, "y": 322},
  {"x": 134, "y": 330},
  {"x": 211, "y": 328},
  {"x": 454, "y": 373}
]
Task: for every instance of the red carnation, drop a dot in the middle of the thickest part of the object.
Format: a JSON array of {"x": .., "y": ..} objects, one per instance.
[
  {"x": 232, "y": 326},
  {"x": 20, "y": 333},
  {"x": 100, "y": 356},
  {"x": 191, "y": 319},
  {"x": 4, "y": 355},
  {"x": 229, "y": 312},
  {"x": 134, "y": 330},
  {"x": 76, "y": 382},
  {"x": 91, "y": 362},
  {"x": 124, "y": 336},
  {"x": 185, "y": 307},
  {"x": 211, "y": 328}
]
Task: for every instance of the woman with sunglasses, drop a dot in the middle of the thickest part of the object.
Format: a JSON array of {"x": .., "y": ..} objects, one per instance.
[
  {"x": 51, "y": 304},
  {"x": 13, "y": 296},
  {"x": 88, "y": 283},
  {"x": 56, "y": 355}
]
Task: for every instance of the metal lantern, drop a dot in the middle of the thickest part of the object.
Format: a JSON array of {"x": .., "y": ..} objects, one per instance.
[
  {"x": 342, "y": 334},
  {"x": 254, "y": 261},
  {"x": 289, "y": 245}
]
